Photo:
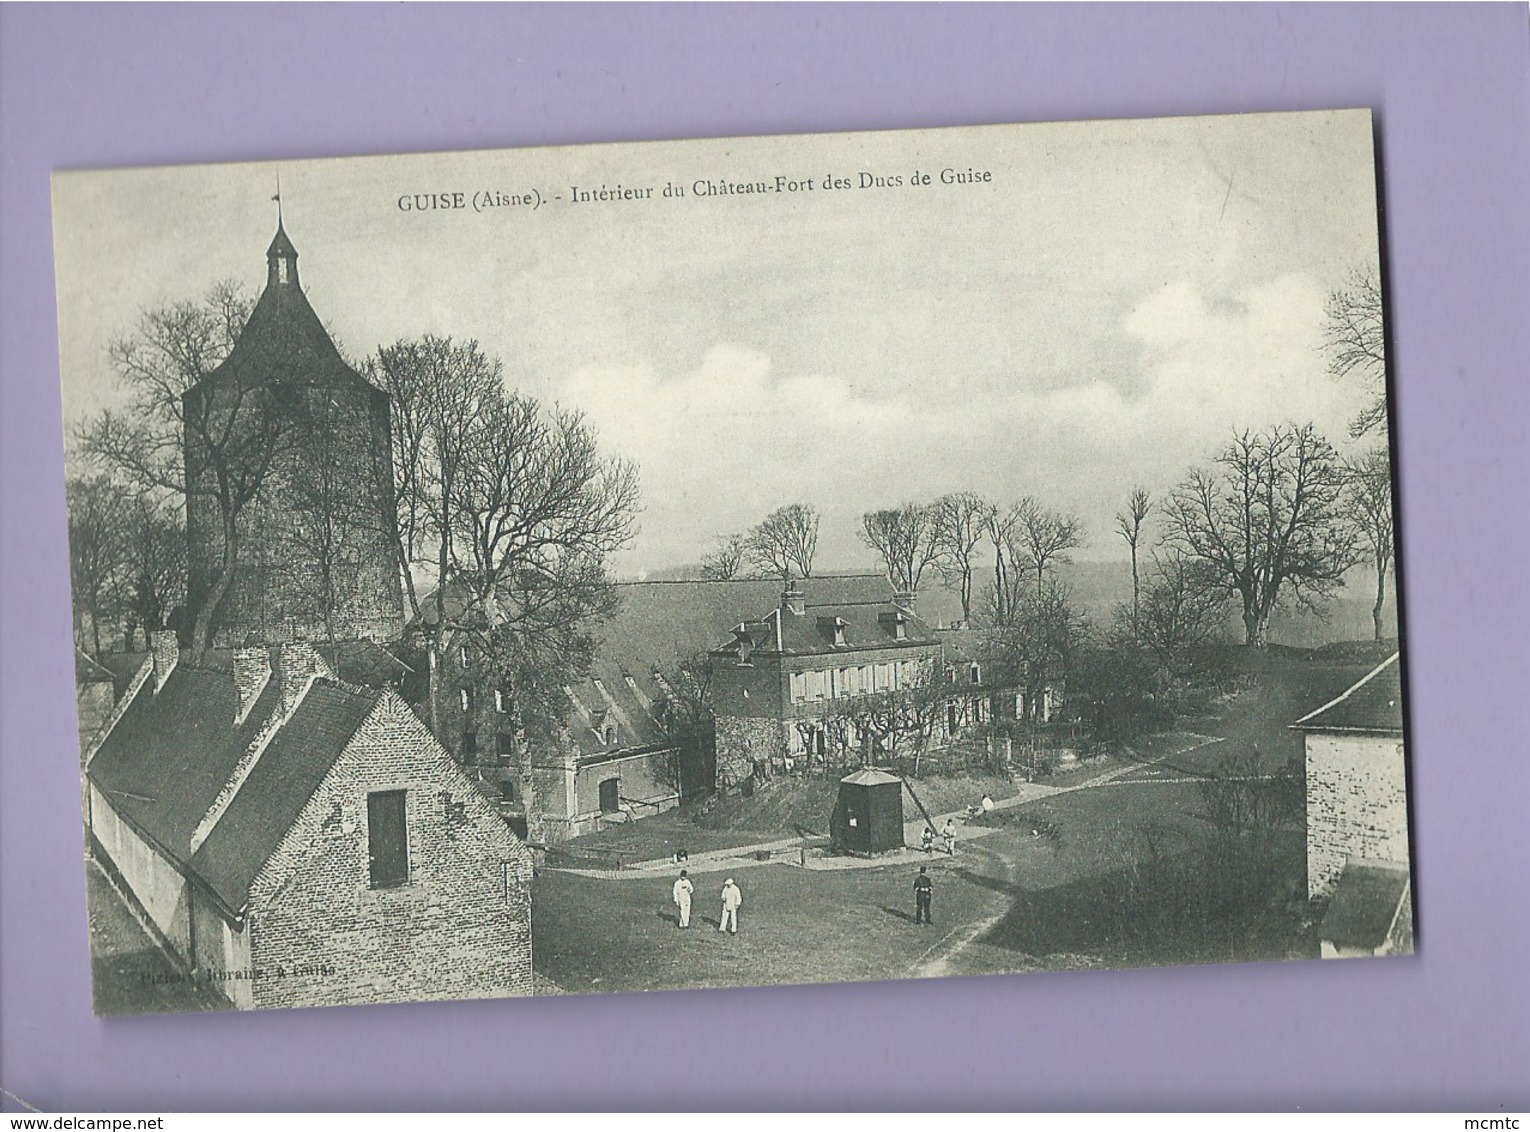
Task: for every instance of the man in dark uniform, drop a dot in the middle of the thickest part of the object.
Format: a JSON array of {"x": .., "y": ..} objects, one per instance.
[{"x": 923, "y": 888}]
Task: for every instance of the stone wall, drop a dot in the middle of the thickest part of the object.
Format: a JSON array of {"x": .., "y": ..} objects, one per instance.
[
  {"x": 162, "y": 893},
  {"x": 1356, "y": 805},
  {"x": 741, "y": 740},
  {"x": 327, "y": 498},
  {"x": 461, "y": 927}
]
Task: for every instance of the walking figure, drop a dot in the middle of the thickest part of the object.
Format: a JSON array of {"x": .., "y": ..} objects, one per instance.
[
  {"x": 949, "y": 833},
  {"x": 731, "y": 899},
  {"x": 924, "y": 887},
  {"x": 682, "y": 897}
]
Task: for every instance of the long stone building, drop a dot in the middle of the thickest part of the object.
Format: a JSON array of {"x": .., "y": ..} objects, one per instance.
[{"x": 278, "y": 817}]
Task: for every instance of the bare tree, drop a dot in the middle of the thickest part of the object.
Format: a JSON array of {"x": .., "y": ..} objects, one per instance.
[
  {"x": 1129, "y": 526},
  {"x": 905, "y": 537},
  {"x": 439, "y": 389},
  {"x": 785, "y": 541},
  {"x": 725, "y": 559},
  {"x": 1033, "y": 650},
  {"x": 961, "y": 520},
  {"x": 1042, "y": 537},
  {"x": 213, "y": 447},
  {"x": 155, "y": 562},
  {"x": 1001, "y": 526},
  {"x": 1354, "y": 337},
  {"x": 96, "y": 553},
  {"x": 537, "y": 511},
  {"x": 1183, "y": 611},
  {"x": 1369, "y": 505},
  {"x": 1267, "y": 520},
  {"x": 686, "y": 714}
]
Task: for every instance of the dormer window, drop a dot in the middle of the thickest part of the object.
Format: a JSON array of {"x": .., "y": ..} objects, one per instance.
[
  {"x": 833, "y": 628},
  {"x": 976, "y": 675},
  {"x": 610, "y": 734}
]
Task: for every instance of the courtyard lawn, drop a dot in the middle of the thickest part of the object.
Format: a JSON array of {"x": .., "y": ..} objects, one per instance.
[
  {"x": 657, "y": 838},
  {"x": 1124, "y": 873},
  {"x": 796, "y": 926}
]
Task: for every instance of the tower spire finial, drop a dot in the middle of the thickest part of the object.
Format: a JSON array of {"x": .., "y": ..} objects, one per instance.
[{"x": 278, "y": 198}]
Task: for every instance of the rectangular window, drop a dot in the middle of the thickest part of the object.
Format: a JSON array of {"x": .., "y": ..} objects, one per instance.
[
  {"x": 388, "y": 838},
  {"x": 504, "y": 745},
  {"x": 469, "y": 747},
  {"x": 799, "y": 687}
]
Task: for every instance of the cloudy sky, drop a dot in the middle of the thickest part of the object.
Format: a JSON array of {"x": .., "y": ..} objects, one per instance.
[{"x": 1100, "y": 314}]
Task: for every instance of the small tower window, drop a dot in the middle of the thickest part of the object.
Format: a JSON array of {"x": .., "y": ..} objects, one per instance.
[
  {"x": 465, "y": 696},
  {"x": 281, "y": 269}
]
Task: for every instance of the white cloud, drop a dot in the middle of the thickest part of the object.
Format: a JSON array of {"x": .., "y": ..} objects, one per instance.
[{"x": 722, "y": 444}]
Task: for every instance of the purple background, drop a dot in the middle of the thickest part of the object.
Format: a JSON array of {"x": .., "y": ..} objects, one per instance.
[{"x": 83, "y": 87}]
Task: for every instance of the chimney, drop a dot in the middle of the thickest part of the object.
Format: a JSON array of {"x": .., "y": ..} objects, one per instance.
[
  {"x": 166, "y": 647},
  {"x": 905, "y": 599},
  {"x": 793, "y": 600},
  {"x": 297, "y": 664},
  {"x": 252, "y": 668}
]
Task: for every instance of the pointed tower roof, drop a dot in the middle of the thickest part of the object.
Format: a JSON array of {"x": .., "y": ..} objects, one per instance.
[
  {"x": 281, "y": 244},
  {"x": 284, "y": 341}
]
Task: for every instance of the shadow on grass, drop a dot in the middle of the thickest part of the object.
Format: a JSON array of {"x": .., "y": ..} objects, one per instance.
[
  {"x": 1188, "y": 907},
  {"x": 899, "y": 914}
]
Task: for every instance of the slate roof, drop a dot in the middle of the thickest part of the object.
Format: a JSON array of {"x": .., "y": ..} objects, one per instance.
[
  {"x": 165, "y": 761},
  {"x": 87, "y": 671},
  {"x": 1371, "y": 706},
  {"x": 284, "y": 340},
  {"x": 280, "y": 784},
  {"x": 1365, "y": 903},
  {"x": 364, "y": 662},
  {"x": 659, "y": 624},
  {"x": 866, "y": 625},
  {"x": 607, "y": 697},
  {"x": 171, "y": 753}
]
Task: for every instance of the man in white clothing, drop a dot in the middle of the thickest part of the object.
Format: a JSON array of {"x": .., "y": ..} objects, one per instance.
[
  {"x": 731, "y": 898},
  {"x": 682, "y": 897}
]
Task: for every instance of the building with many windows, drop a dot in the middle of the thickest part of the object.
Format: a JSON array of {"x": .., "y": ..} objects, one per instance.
[{"x": 835, "y": 684}]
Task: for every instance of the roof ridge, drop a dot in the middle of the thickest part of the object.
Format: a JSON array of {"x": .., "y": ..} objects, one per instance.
[{"x": 1351, "y": 690}]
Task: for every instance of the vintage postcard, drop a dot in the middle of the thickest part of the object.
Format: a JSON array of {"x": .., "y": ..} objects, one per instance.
[{"x": 733, "y": 562}]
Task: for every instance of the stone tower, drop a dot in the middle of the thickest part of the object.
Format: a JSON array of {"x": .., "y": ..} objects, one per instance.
[{"x": 314, "y": 553}]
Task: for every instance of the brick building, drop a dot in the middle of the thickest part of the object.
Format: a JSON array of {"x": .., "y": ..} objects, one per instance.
[
  {"x": 614, "y": 756},
  {"x": 315, "y": 558},
  {"x": 1357, "y": 817},
  {"x": 816, "y": 683},
  {"x": 298, "y": 840}
]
